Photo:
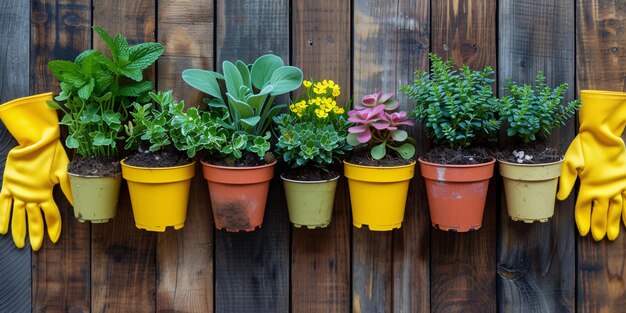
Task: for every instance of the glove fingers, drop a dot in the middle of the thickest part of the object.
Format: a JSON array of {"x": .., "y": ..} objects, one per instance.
[
  {"x": 599, "y": 215},
  {"x": 582, "y": 214},
  {"x": 574, "y": 161},
  {"x": 35, "y": 225},
  {"x": 53, "y": 219},
  {"x": 5, "y": 210},
  {"x": 615, "y": 211},
  {"x": 18, "y": 223}
]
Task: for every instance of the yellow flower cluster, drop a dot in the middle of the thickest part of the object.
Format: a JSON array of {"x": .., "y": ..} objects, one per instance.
[{"x": 322, "y": 104}]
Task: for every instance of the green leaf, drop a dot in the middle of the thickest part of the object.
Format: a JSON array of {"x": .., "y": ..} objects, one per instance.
[
  {"x": 71, "y": 142},
  {"x": 135, "y": 89},
  {"x": 352, "y": 139},
  {"x": 144, "y": 54},
  {"x": 399, "y": 135},
  {"x": 250, "y": 121},
  {"x": 245, "y": 73},
  {"x": 132, "y": 73},
  {"x": 53, "y": 104},
  {"x": 263, "y": 68},
  {"x": 242, "y": 108},
  {"x": 233, "y": 80},
  {"x": 258, "y": 100},
  {"x": 406, "y": 150},
  {"x": 205, "y": 81},
  {"x": 85, "y": 91},
  {"x": 286, "y": 79},
  {"x": 100, "y": 140},
  {"x": 378, "y": 152},
  {"x": 107, "y": 40}
]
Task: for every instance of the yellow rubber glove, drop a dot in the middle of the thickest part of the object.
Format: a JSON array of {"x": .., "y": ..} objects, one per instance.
[
  {"x": 597, "y": 155},
  {"x": 32, "y": 169}
]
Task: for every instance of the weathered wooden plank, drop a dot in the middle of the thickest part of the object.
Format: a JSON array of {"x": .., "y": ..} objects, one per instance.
[
  {"x": 600, "y": 42},
  {"x": 15, "y": 284},
  {"x": 390, "y": 43},
  {"x": 320, "y": 260},
  {"x": 61, "y": 272},
  {"x": 463, "y": 268},
  {"x": 185, "y": 257},
  {"x": 253, "y": 268},
  {"x": 535, "y": 261},
  {"x": 123, "y": 269}
]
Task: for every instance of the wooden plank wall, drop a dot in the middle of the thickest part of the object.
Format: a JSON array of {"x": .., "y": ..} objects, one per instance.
[{"x": 365, "y": 46}]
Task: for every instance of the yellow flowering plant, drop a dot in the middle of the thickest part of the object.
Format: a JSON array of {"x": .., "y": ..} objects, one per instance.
[{"x": 311, "y": 136}]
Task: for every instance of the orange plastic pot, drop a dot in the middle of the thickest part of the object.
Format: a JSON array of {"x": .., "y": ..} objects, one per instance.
[
  {"x": 238, "y": 195},
  {"x": 456, "y": 194}
]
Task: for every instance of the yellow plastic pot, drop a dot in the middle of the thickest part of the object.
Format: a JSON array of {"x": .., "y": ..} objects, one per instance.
[
  {"x": 159, "y": 196},
  {"x": 378, "y": 194},
  {"x": 530, "y": 190},
  {"x": 310, "y": 203},
  {"x": 95, "y": 197}
]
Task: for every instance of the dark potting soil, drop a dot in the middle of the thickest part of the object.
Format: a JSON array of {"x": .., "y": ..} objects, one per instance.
[
  {"x": 94, "y": 166},
  {"x": 444, "y": 155},
  {"x": 247, "y": 160},
  {"x": 363, "y": 157},
  {"x": 161, "y": 158},
  {"x": 531, "y": 155},
  {"x": 309, "y": 173}
]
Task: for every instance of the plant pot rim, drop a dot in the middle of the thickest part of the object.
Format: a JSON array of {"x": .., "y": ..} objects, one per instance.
[
  {"x": 380, "y": 167},
  {"x": 94, "y": 176},
  {"x": 238, "y": 167},
  {"x": 156, "y": 168},
  {"x": 421, "y": 160},
  {"x": 308, "y": 181},
  {"x": 532, "y": 164}
]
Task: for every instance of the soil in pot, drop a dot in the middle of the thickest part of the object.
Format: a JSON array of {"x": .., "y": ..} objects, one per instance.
[
  {"x": 310, "y": 173},
  {"x": 531, "y": 155},
  {"x": 162, "y": 158},
  {"x": 458, "y": 156},
  {"x": 94, "y": 166},
  {"x": 363, "y": 157},
  {"x": 247, "y": 160}
]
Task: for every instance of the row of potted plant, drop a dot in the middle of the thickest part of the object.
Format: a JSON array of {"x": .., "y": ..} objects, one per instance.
[{"x": 106, "y": 100}]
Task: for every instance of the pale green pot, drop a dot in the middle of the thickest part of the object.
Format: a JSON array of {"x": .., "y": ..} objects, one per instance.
[
  {"x": 95, "y": 197},
  {"x": 530, "y": 190},
  {"x": 310, "y": 203}
]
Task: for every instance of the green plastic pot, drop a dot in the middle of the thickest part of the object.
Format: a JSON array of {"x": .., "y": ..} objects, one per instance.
[
  {"x": 310, "y": 203},
  {"x": 530, "y": 190},
  {"x": 95, "y": 197}
]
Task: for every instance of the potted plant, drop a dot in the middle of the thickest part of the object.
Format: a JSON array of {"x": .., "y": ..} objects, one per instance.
[
  {"x": 238, "y": 171},
  {"x": 159, "y": 173},
  {"x": 530, "y": 171},
  {"x": 381, "y": 167},
  {"x": 311, "y": 138},
  {"x": 95, "y": 93},
  {"x": 457, "y": 108}
]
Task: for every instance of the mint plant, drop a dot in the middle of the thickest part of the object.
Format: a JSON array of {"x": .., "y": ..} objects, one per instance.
[
  {"x": 96, "y": 92},
  {"x": 533, "y": 111},
  {"x": 376, "y": 127},
  {"x": 456, "y": 107},
  {"x": 246, "y": 107}
]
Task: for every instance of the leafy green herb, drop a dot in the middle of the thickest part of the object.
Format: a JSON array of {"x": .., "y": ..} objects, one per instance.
[
  {"x": 95, "y": 93},
  {"x": 533, "y": 111},
  {"x": 456, "y": 107}
]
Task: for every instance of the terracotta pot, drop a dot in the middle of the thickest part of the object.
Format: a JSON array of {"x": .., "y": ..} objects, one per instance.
[
  {"x": 95, "y": 197},
  {"x": 378, "y": 194},
  {"x": 456, "y": 194},
  {"x": 238, "y": 195},
  {"x": 159, "y": 195},
  {"x": 310, "y": 203},
  {"x": 530, "y": 189}
]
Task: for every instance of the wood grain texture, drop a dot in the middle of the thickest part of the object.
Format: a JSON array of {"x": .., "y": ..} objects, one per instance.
[
  {"x": 463, "y": 275},
  {"x": 62, "y": 272},
  {"x": 535, "y": 261},
  {"x": 185, "y": 257},
  {"x": 253, "y": 268},
  {"x": 390, "y": 272},
  {"x": 15, "y": 272},
  {"x": 123, "y": 269},
  {"x": 600, "y": 46},
  {"x": 320, "y": 259}
]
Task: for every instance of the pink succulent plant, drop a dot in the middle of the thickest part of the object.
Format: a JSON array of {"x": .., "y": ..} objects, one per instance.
[{"x": 376, "y": 126}]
